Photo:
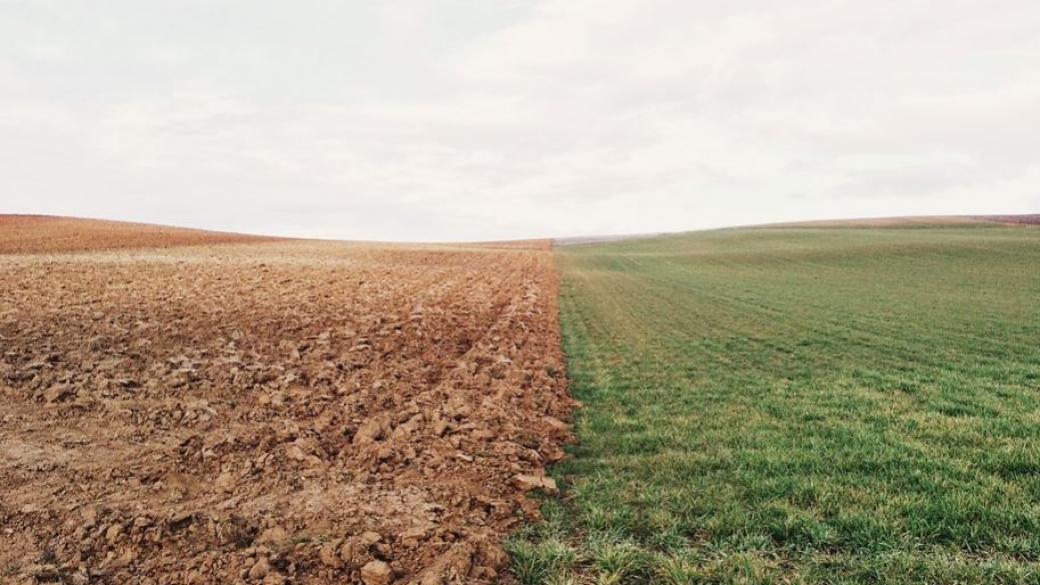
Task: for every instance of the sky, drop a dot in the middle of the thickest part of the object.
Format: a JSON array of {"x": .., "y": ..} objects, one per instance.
[{"x": 450, "y": 120}]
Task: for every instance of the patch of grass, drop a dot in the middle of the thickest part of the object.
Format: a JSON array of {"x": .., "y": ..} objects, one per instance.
[
  {"x": 801, "y": 406},
  {"x": 542, "y": 554}
]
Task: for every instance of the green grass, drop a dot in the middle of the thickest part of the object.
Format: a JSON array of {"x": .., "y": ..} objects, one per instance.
[{"x": 800, "y": 406}]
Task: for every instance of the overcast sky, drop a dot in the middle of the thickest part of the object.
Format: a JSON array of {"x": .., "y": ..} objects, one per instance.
[{"x": 495, "y": 119}]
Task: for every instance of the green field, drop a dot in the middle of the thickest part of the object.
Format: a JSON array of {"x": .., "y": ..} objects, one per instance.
[{"x": 799, "y": 406}]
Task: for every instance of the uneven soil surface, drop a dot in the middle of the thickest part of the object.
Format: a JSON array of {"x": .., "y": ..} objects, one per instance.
[
  {"x": 276, "y": 412},
  {"x": 37, "y": 234}
]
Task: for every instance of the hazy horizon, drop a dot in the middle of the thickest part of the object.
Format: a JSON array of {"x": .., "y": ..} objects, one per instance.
[{"x": 467, "y": 121}]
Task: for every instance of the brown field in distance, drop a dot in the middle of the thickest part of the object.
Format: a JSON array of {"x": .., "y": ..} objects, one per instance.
[
  {"x": 269, "y": 411},
  {"x": 39, "y": 234}
]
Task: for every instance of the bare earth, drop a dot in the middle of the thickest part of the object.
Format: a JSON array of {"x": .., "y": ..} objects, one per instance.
[
  {"x": 37, "y": 234},
  {"x": 271, "y": 411}
]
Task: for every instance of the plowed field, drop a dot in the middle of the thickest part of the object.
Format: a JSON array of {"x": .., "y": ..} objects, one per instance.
[
  {"x": 37, "y": 234},
  {"x": 273, "y": 412}
]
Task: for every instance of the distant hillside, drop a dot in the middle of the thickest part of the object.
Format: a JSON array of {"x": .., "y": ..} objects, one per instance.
[
  {"x": 582, "y": 240},
  {"x": 1033, "y": 219},
  {"x": 871, "y": 222},
  {"x": 913, "y": 221},
  {"x": 35, "y": 234}
]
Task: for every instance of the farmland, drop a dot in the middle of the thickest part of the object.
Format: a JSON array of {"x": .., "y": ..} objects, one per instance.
[
  {"x": 40, "y": 234},
  {"x": 799, "y": 406},
  {"x": 830, "y": 402},
  {"x": 188, "y": 407}
]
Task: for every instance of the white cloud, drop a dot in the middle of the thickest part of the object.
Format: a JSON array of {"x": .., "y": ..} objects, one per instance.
[{"x": 497, "y": 120}]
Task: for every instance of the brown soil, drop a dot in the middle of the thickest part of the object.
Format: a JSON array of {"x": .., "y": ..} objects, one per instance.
[
  {"x": 37, "y": 234},
  {"x": 280, "y": 412},
  {"x": 544, "y": 245}
]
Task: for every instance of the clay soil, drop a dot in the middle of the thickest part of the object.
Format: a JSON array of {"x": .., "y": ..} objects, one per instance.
[{"x": 272, "y": 412}]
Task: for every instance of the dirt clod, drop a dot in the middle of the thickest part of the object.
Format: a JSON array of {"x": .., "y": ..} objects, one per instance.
[
  {"x": 329, "y": 556},
  {"x": 376, "y": 573},
  {"x": 260, "y": 569},
  {"x": 58, "y": 393},
  {"x": 532, "y": 482}
]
